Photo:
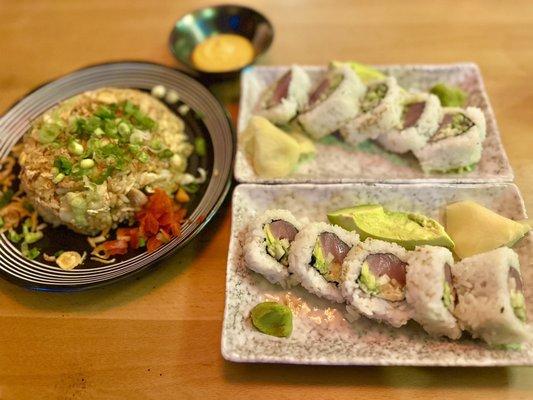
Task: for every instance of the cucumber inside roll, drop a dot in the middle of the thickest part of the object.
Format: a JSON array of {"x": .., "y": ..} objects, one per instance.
[
  {"x": 373, "y": 96},
  {"x": 328, "y": 254},
  {"x": 278, "y": 236},
  {"x": 383, "y": 275}
]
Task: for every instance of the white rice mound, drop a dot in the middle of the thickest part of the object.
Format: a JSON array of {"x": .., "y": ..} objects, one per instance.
[
  {"x": 484, "y": 307},
  {"x": 300, "y": 259},
  {"x": 338, "y": 108},
  {"x": 257, "y": 258},
  {"x": 415, "y": 137},
  {"x": 360, "y": 302},
  {"x": 387, "y": 115},
  {"x": 424, "y": 288},
  {"x": 295, "y": 101},
  {"x": 457, "y": 151}
]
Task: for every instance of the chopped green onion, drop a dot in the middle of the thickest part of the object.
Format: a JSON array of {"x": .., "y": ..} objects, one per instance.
[
  {"x": 93, "y": 124},
  {"x": 49, "y": 132},
  {"x": 58, "y": 253},
  {"x": 14, "y": 236},
  {"x": 99, "y": 132},
  {"x": 87, "y": 163},
  {"x": 28, "y": 206},
  {"x": 104, "y": 113},
  {"x": 167, "y": 153},
  {"x": 200, "y": 146},
  {"x": 142, "y": 242},
  {"x": 63, "y": 164},
  {"x": 29, "y": 253},
  {"x": 124, "y": 129},
  {"x": 191, "y": 187},
  {"x": 75, "y": 148},
  {"x": 143, "y": 157},
  {"x": 155, "y": 144},
  {"x": 58, "y": 178},
  {"x": 32, "y": 237}
]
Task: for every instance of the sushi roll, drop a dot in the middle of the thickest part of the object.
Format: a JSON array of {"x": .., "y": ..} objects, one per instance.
[
  {"x": 457, "y": 143},
  {"x": 374, "y": 282},
  {"x": 268, "y": 244},
  {"x": 281, "y": 101},
  {"x": 491, "y": 303},
  {"x": 430, "y": 291},
  {"x": 381, "y": 110},
  {"x": 316, "y": 258},
  {"x": 333, "y": 102},
  {"x": 421, "y": 116}
]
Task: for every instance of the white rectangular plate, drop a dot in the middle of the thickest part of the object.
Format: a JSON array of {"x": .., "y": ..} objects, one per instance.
[
  {"x": 321, "y": 334},
  {"x": 369, "y": 162}
]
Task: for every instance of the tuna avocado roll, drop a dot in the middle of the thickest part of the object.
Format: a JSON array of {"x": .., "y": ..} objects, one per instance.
[
  {"x": 491, "y": 303},
  {"x": 317, "y": 256},
  {"x": 268, "y": 244},
  {"x": 457, "y": 143},
  {"x": 430, "y": 291},
  {"x": 380, "y": 111},
  {"x": 333, "y": 102},
  {"x": 374, "y": 282},
  {"x": 420, "y": 119},
  {"x": 288, "y": 95}
]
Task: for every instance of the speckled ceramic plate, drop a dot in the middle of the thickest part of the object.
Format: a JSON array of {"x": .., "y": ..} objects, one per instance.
[
  {"x": 368, "y": 162},
  {"x": 214, "y": 127},
  {"x": 321, "y": 334}
]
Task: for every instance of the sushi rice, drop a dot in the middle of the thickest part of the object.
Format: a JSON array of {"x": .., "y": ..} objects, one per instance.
[
  {"x": 301, "y": 255},
  {"x": 395, "y": 313},
  {"x": 484, "y": 306},
  {"x": 294, "y": 101},
  {"x": 414, "y": 137},
  {"x": 442, "y": 154},
  {"x": 335, "y": 110},
  {"x": 385, "y": 116},
  {"x": 425, "y": 285},
  {"x": 255, "y": 249}
]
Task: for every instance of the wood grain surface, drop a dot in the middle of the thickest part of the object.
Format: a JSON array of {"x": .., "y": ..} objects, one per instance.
[{"x": 158, "y": 336}]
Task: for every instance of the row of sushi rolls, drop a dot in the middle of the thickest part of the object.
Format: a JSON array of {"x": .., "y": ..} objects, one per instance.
[
  {"x": 390, "y": 283},
  {"x": 358, "y": 108}
]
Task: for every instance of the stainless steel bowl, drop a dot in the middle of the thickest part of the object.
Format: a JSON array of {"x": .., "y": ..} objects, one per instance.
[{"x": 198, "y": 25}]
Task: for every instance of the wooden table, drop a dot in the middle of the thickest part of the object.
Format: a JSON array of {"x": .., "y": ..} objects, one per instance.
[{"x": 159, "y": 336}]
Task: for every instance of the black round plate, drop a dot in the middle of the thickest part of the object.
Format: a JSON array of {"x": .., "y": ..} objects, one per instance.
[{"x": 206, "y": 119}]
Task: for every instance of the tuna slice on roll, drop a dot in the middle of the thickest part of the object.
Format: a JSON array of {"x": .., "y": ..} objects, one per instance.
[
  {"x": 333, "y": 102},
  {"x": 268, "y": 244},
  {"x": 286, "y": 97},
  {"x": 317, "y": 257},
  {"x": 374, "y": 282}
]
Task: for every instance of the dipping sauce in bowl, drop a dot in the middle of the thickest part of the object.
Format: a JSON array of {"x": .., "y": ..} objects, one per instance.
[{"x": 223, "y": 52}]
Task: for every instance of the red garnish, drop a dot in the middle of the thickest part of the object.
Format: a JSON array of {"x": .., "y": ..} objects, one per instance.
[{"x": 159, "y": 221}]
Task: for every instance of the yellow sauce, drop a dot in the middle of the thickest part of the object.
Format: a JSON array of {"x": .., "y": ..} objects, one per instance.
[{"x": 223, "y": 52}]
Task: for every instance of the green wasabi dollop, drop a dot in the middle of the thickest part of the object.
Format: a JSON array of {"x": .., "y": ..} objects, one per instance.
[
  {"x": 449, "y": 96},
  {"x": 272, "y": 318}
]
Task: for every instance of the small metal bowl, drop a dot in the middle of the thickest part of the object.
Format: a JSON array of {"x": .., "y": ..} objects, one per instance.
[{"x": 198, "y": 25}]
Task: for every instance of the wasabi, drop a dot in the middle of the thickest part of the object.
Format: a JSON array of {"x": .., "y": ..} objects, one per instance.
[
  {"x": 272, "y": 319},
  {"x": 449, "y": 96}
]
